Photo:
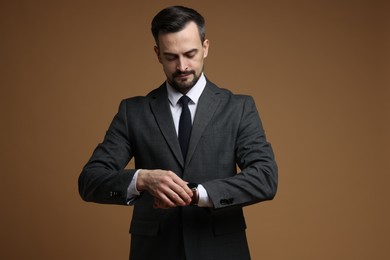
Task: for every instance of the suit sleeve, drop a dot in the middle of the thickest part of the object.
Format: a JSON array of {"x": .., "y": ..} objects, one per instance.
[
  {"x": 258, "y": 178},
  {"x": 104, "y": 179}
]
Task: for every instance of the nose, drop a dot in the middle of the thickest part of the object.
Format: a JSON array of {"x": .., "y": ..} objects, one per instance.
[{"x": 182, "y": 65}]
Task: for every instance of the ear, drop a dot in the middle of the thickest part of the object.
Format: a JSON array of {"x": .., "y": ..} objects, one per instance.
[
  {"x": 205, "y": 48},
  {"x": 157, "y": 51}
]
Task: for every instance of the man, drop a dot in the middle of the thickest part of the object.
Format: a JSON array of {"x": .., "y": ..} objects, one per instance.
[{"x": 187, "y": 138}]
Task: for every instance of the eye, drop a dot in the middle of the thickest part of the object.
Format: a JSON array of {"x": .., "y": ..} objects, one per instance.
[
  {"x": 170, "y": 57},
  {"x": 191, "y": 54}
]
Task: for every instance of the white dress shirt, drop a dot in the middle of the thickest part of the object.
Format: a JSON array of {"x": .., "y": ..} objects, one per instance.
[{"x": 173, "y": 97}]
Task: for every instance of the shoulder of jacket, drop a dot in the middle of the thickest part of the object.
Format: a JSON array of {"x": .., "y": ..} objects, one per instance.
[
  {"x": 228, "y": 93},
  {"x": 142, "y": 99}
]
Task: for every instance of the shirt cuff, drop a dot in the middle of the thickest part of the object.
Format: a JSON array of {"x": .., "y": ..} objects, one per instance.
[
  {"x": 132, "y": 192},
  {"x": 204, "y": 200}
]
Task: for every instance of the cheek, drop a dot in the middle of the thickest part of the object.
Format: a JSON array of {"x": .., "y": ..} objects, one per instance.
[
  {"x": 169, "y": 67},
  {"x": 197, "y": 63}
]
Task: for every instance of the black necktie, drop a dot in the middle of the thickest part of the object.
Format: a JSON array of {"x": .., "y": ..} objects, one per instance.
[{"x": 185, "y": 125}]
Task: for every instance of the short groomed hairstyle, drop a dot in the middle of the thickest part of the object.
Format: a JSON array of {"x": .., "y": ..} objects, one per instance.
[{"x": 174, "y": 19}]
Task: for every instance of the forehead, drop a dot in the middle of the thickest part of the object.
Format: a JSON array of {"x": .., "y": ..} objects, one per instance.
[{"x": 188, "y": 38}]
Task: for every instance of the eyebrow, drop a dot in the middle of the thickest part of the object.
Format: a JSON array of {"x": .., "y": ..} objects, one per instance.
[{"x": 174, "y": 54}]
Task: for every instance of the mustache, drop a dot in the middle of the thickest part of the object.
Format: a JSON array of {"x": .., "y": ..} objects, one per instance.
[{"x": 182, "y": 73}]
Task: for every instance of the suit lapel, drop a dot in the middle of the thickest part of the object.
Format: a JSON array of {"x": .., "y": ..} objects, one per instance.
[
  {"x": 160, "y": 108},
  {"x": 208, "y": 103}
]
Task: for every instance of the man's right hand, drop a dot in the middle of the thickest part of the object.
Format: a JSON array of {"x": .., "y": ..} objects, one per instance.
[{"x": 168, "y": 189}]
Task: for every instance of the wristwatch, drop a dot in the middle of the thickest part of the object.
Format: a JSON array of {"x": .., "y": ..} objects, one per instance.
[{"x": 195, "y": 196}]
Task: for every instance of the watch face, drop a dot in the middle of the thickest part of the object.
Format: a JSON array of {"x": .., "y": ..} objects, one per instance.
[{"x": 195, "y": 196}]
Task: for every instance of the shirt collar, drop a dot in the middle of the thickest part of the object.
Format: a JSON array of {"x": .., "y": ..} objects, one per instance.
[{"x": 193, "y": 94}]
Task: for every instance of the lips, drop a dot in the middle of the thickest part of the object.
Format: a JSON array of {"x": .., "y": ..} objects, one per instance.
[{"x": 182, "y": 75}]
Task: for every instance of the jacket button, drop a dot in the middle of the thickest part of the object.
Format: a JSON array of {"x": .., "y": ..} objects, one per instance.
[{"x": 115, "y": 194}]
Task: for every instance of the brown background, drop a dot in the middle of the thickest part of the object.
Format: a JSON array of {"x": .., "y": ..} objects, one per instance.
[{"x": 318, "y": 70}]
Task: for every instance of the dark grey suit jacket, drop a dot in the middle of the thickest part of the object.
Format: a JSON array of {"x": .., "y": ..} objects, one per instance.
[{"x": 227, "y": 132}]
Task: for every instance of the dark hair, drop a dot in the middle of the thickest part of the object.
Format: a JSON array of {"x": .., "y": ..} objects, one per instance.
[{"x": 174, "y": 19}]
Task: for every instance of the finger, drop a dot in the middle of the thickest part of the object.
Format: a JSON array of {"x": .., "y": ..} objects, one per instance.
[
  {"x": 165, "y": 200},
  {"x": 175, "y": 188},
  {"x": 171, "y": 189},
  {"x": 181, "y": 195},
  {"x": 158, "y": 204},
  {"x": 181, "y": 188},
  {"x": 173, "y": 196},
  {"x": 177, "y": 194}
]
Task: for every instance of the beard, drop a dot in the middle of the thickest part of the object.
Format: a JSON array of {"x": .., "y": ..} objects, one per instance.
[{"x": 180, "y": 85}]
